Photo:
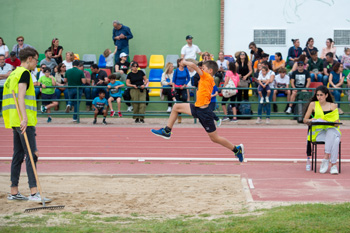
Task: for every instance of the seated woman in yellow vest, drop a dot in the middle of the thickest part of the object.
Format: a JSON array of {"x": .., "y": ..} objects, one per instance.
[{"x": 322, "y": 108}]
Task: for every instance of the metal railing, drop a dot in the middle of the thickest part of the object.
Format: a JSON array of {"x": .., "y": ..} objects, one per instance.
[{"x": 165, "y": 114}]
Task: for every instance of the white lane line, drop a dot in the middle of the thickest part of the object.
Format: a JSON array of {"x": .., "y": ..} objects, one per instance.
[
  {"x": 250, "y": 182},
  {"x": 246, "y": 190},
  {"x": 168, "y": 159}
]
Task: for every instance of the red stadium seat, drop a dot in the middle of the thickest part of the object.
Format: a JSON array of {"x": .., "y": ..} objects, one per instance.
[
  {"x": 315, "y": 85},
  {"x": 108, "y": 71},
  {"x": 142, "y": 60}
]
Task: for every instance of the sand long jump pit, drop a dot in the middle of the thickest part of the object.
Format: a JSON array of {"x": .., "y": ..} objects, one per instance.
[{"x": 149, "y": 195}]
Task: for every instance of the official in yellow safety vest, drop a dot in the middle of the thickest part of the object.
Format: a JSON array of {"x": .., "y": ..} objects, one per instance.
[
  {"x": 20, "y": 81},
  {"x": 323, "y": 108}
]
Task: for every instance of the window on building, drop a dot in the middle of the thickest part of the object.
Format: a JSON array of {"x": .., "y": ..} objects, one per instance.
[
  {"x": 270, "y": 37},
  {"x": 342, "y": 37}
]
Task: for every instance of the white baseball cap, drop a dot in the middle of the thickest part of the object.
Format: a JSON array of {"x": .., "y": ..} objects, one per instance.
[{"x": 123, "y": 55}]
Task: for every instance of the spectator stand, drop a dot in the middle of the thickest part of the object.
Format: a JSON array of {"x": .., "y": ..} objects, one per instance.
[
  {"x": 89, "y": 59},
  {"x": 141, "y": 60},
  {"x": 173, "y": 59},
  {"x": 102, "y": 61},
  {"x": 156, "y": 65},
  {"x": 40, "y": 58}
]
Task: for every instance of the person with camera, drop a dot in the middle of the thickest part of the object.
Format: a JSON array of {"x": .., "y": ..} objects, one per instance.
[
  {"x": 137, "y": 80},
  {"x": 223, "y": 66}
]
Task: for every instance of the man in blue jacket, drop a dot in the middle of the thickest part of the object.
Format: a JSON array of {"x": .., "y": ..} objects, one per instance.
[{"x": 121, "y": 36}]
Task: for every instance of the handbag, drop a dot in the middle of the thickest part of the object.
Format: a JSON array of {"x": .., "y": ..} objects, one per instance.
[
  {"x": 227, "y": 93},
  {"x": 244, "y": 83}
]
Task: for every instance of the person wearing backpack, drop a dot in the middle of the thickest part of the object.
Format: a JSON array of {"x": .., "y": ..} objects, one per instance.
[{"x": 231, "y": 81}]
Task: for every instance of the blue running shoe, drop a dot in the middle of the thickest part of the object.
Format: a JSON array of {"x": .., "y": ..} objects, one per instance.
[
  {"x": 161, "y": 133},
  {"x": 240, "y": 153},
  {"x": 49, "y": 119},
  {"x": 43, "y": 109}
]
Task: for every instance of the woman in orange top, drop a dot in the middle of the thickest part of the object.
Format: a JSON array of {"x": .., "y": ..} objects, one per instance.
[{"x": 278, "y": 62}]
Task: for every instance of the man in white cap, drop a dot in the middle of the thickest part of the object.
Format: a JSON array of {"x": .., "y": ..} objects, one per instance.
[
  {"x": 190, "y": 50},
  {"x": 122, "y": 66}
]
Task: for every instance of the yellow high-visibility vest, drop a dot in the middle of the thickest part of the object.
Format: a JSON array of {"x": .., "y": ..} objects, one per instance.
[
  {"x": 9, "y": 111},
  {"x": 332, "y": 117}
]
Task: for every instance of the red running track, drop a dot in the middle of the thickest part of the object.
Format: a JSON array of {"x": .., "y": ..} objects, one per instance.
[
  {"x": 273, "y": 181},
  {"x": 185, "y": 143}
]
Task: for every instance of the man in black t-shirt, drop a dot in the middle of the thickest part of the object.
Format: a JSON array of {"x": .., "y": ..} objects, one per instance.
[
  {"x": 328, "y": 67},
  {"x": 299, "y": 79},
  {"x": 99, "y": 78}
]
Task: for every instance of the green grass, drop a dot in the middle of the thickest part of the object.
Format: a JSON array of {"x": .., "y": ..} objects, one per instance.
[{"x": 295, "y": 218}]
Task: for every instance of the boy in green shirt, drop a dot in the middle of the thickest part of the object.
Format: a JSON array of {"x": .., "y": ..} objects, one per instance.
[{"x": 47, "y": 93}]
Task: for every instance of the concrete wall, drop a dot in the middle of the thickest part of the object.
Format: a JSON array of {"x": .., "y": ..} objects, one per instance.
[
  {"x": 85, "y": 26},
  {"x": 301, "y": 19}
]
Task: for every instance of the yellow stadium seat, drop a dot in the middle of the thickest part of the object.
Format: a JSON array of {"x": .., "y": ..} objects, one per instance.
[
  {"x": 154, "y": 92},
  {"x": 76, "y": 56},
  {"x": 156, "y": 62},
  {"x": 250, "y": 92}
]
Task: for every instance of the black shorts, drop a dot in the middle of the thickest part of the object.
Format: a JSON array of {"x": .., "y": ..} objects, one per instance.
[
  {"x": 100, "y": 111},
  {"x": 115, "y": 98},
  {"x": 205, "y": 116},
  {"x": 47, "y": 97}
]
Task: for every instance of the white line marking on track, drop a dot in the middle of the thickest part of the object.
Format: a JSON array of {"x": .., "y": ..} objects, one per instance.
[
  {"x": 251, "y": 185},
  {"x": 166, "y": 159}
]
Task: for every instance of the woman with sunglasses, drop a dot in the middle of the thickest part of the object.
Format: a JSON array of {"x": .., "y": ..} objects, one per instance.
[
  {"x": 20, "y": 45},
  {"x": 56, "y": 50},
  {"x": 137, "y": 80},
  {"x": 322, "y": 108}
]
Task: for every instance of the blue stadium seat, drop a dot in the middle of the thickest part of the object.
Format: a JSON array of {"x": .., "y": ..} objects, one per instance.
[
  {"x": 102, "y": 62},
  {"x": 155, "y": 75}
]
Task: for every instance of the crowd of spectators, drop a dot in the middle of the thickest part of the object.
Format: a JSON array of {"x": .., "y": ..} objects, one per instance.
[{"x": 260, "y": 70}]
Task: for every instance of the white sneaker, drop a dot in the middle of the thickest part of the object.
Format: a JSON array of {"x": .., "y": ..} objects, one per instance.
[
  {"x": 267, "y": 99},
  {"x": 267, "y": 120},
  {"x": 130, "y": 108},
  {"x": 218, "y": 123},
  {"x": 258, "y": 121},
  {"x": 17, "y": 197},
  {"x": 225, "y": 119},
  {"x": 289, "y": 110},
  {"x": 169, "y": 109},
  {"x": 37, "y": 198},
  {"x": 308, "y": 165},
  {"x": 334, "y": 170},
  {"x": 261, "y": 100},
  {"x": 324, "y": 166}
]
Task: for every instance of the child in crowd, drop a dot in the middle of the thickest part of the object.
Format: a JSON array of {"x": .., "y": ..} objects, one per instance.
[
  {"x": 115, "y": 92},
  {"x": 201, "y": 108},
  {"x": 109, "y": 57},
  {"x": 264, "y": 81},
  {"x": 231, "y": 74},
  {"x": 47, "y": 93},
  {"x": 345, "y": 60},
  {"x": 122, "y": 66},
  {"x": 98, "y": 105},
  {"x": 281, "y": 81},
  {"x": 212, "y": 105}
]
